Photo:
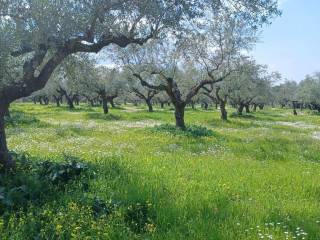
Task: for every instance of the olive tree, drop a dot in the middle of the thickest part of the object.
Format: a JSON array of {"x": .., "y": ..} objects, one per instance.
[
  {"x": 107, "y": 84},
  {"x": 160, "y": 65},
  {"x": 39, "y": 35},
  {"x": 309, "y": 91},
  {"x": 286, "y": 93},
  {"x": 250, "y": 82}
]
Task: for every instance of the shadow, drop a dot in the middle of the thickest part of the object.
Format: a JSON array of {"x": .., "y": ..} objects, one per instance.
[
  {"x": 243, "y": 116},
  {"x": 20, "y": 118},
  {"x": 71, "y": 131},
  {"x": 190, "y": 131},
  {"x": 101, "y": 116},
  {"x": 36, "y": 183}
]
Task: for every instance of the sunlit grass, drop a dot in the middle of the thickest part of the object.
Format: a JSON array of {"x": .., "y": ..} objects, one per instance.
[{"x": 253, "y": 178}]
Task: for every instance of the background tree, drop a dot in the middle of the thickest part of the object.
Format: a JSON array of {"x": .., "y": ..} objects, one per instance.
[
  {"x": 157, "y": 65},
  {"x": 248, "y": 84},
  {"x": 286, "y": 93},
  {"x": 309, "y": 91},
  {"x": 143, "y": 93}
]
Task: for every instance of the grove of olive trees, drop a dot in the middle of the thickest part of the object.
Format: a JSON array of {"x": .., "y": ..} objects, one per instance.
[{"x": 155, "y": 119}]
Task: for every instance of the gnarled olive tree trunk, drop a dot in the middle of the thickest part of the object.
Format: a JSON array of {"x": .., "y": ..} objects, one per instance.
[
  {"x": 105, "y": 105},
  {"x": 150, "y": 107},
  {"x": 224, "y": 113},
  {"x": 179, "y": 115},
  {"x": 247, "y": 106},
  {"x": 240, "y": 108},
  {"x": 5, "y": 159},
  {"x": 69, "y": 102}
]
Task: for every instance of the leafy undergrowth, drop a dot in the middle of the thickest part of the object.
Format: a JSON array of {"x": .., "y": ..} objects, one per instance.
[
  {"x": 30, "y": 199},
  {"x": 190, "y": 131},
  {"x": 33, "y": 183}
]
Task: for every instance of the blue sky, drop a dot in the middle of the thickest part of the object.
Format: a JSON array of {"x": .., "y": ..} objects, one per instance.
[{"x": 291, "y": 45}]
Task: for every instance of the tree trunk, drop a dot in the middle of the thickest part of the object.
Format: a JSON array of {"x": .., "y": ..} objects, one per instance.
[
  {"x": 205, "y": 105},
  {"x": 46, "y": 100},
  {"x": 105, "y": 105},
  {"x": 224, "y": 113},
  {"x": 193, "y": 105},
  {"x": 150, "y": 107},
  {"x": 261, "y": 106},
  {"x": 254, "y": 107},
  {"x": 294, "y": 108},
  {"x": 240, "y": 109},
  {"x": 91, "y": 103},
  {"x": 70, "y": 102},
  {"x": 112, "y": 103},
  {"x": 247, "y": 106},
  {"x": 179, "y": 115},
  {"x": 6, "y": 160}
]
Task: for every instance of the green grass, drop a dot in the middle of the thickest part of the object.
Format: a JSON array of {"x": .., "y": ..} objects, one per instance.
[{"x": 252, "y": 176}]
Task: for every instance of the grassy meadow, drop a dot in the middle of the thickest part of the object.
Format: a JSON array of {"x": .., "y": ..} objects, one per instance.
[{"x": 253, "y": 177}]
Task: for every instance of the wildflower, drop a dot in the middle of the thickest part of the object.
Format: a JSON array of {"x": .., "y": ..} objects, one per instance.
[{"x": 58, "y": 228}]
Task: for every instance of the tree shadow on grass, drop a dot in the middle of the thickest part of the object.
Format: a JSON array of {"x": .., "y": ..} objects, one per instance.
[
  {"x": 101, "y": 116},
  {"x": 232, "y": 123},
  {"x": 37, "y": 182},
  {"x": 141, "y": 201},
  {"x": 190, "y": 131},
  {"x": 20, "y": 118},
  {"x": 168, "y": 214}
]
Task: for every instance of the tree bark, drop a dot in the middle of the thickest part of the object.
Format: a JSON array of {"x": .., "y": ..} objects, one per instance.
[
  {"x": 240, "y": 109},
  {"x": 112, "y": 103},
  {"x": 224, "y": 113},
  {"x": 91, "y": 102},
  {"x": 247, "y": 106},
  {"x": 57, "y": 100},
  {"x": 192, "y": 105},
  {"x": 261, "y": 106},
  {"x": 69, "y": 102},
  {"x": 6, "y": 160},
  {"x": 105, "y": 105},
  {"x": 150, "y": 107},
  {"x": 179, "y": 115},
  {"x": 205, "y": 105},
  {"x": 46, "y": 100},
  {"x": 254, "y": 107}
]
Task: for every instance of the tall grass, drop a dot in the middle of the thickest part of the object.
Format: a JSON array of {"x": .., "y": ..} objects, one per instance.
[{"x": 251, "y": 178}]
